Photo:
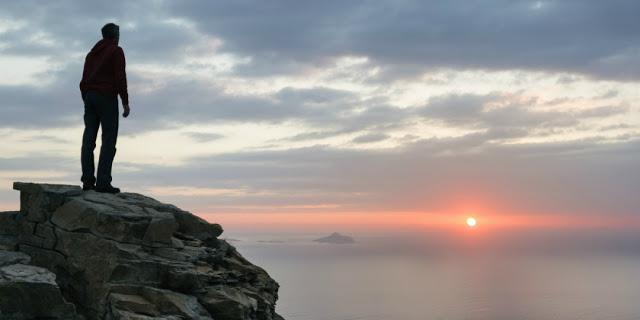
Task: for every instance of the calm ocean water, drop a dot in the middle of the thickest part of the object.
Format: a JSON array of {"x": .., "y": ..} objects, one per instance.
[{"x": 399, "y": 277}]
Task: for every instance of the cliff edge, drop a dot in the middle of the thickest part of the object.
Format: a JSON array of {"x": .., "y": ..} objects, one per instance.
[{"x": 69, "y": 254}]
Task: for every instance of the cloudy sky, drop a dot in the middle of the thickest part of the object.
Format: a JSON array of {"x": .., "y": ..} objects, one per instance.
[{"x": 413, "y": 113}]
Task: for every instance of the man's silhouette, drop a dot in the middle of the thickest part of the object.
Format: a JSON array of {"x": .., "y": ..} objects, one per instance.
[{"x": 103, "y": 79}]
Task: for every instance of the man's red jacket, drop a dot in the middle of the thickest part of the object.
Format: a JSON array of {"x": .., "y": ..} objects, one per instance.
[{"x": 104, "y": 71}]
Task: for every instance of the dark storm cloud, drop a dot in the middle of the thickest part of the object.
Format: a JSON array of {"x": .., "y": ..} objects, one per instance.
[{"x": 591, "y": 37}]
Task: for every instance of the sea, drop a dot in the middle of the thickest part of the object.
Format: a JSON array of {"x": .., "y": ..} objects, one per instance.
[{"x": 439, "y": 274}]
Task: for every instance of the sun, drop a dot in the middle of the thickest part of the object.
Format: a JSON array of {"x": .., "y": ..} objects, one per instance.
[{"x": 471, "y": 221}]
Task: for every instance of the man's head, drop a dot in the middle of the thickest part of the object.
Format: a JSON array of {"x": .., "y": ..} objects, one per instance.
[{"x": 111, "y": 31}]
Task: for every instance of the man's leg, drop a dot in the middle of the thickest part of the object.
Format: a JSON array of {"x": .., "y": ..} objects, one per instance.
[
  {"x": 108, "y": 109},
  {"x": 91, "y": 123}
]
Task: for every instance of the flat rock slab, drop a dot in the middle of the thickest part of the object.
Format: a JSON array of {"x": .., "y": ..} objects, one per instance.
[
  {"x": 28, "y": 292},
  {"x": 12, "y": 257},
  {"x": 62, "y": 189}
]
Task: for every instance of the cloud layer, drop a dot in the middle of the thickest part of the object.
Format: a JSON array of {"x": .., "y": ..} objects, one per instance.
[{"x": 280, "y": 106}]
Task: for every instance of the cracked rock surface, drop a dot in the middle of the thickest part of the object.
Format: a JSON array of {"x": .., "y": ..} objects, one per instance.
[{"x": 69, "y": 254}]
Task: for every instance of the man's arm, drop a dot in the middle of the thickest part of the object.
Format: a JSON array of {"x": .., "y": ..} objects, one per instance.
[
  {"x": 83, "y": 84},
  {"x": 119, "y": 65},
  {"x": 121, "y": 79}
]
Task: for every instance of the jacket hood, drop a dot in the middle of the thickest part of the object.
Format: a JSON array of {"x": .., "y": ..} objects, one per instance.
[{"x": 100, "y": 45}]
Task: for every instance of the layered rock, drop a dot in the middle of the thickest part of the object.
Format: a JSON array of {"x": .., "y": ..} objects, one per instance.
[{"x": 69, "y": 254}]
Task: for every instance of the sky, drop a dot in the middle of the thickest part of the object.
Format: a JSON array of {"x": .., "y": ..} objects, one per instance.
[{"x": 368, "y": 114}]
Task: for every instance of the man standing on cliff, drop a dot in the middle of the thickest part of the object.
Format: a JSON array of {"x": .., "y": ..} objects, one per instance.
[{"x": 103, "y": 79}]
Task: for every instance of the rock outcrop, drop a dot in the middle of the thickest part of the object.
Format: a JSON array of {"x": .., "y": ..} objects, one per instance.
[
  {"x": 336, "y": 238},
  {"x": 69, "y": 254}
]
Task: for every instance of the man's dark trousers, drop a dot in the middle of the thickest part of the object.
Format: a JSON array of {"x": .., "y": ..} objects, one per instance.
[{"x": 99, "y": 110}]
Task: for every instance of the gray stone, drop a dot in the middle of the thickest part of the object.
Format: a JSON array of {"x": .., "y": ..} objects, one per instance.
[
  {"x": 122, "y": 256},
  {"x": 33, "y": 202},
  {"x": 181, "y": 278},
  {"x": 173, "y": 303},
  {"x": 28, "y": 292},
  {"x": 45, "y": 258},
  {"x": 27, "y": 230},
  {"x": 229, "y": 304},
  {"x": 12, "y": 257},
  {"x": 144, "y": 202},
  {"x": 115, "y": 202},
  {"x": 132, "y": 303},
  {"x": 76, "y": 215},
  {"x": 9, "y": 223},
  {"x": 8, "y": 242},
  {"x": 45, "y": 232},
  {"x": 160, "y": 230},
  {"x": 171, "y": 254},
  {"x": 194, "y": 254},
  {"x": 27, "y": 273},
  {"x": 116, "y": 314},
  {"x": 177, "y": 243},
  {"x": 81, "y": 215},
  {"x": 196, "y": 226},
  {"x": 129, "y": 227},
  {"x": 188, "y": 240},
  {"x": 39, "y": 200},
  {"x": 192, "y": 243},
  {"x": 136, "y": 272}
]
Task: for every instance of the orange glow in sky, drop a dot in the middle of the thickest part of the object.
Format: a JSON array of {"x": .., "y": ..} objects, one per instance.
[{"x": 410, "y": 221}]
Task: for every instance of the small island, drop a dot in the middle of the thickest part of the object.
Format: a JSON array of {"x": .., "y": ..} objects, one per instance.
[{"x": 336, "y": 238}]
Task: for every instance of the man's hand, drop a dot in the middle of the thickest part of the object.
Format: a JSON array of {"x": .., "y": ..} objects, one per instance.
[{"x": 126, "y": 111}]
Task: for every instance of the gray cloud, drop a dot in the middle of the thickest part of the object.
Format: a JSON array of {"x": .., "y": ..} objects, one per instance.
[
  {"x": 405, "y": 35},
  {"x": 372, "y": 137},
  {"x": 315, "y": 135},
  {"x": 47, "y": 138},
  {"x": 34, "y": 107},
  {"x": 508, "y": 114},
  {"x": 588, "y": 178},
  {"x": 595, "y": 175},
  {"x": 204, "y": 137},
  {"x": 39, "y": 162},
  {"x": 187, "y": 102},
  {"x": 589, "y": 37}
]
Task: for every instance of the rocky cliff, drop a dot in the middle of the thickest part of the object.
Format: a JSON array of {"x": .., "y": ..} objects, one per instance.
[{"x": 69, "y": 254}]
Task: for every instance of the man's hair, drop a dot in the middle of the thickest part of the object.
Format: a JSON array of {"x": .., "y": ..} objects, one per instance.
[{"x": 110, "y": 31}]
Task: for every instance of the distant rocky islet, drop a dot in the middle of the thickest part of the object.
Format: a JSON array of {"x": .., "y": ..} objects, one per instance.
[{"x": 336, "y": 238}]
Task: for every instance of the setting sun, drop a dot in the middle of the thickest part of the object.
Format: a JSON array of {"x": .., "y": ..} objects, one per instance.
[{"x": 471, "y": 221}]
